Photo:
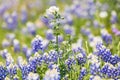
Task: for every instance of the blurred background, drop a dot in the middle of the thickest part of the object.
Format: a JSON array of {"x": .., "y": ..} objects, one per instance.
[{"x": 22, "y": 19}]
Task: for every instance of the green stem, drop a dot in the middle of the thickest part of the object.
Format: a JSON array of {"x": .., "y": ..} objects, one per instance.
[
  {"x": 118, "y": 47},
  {"x": 57, "y": 49}
]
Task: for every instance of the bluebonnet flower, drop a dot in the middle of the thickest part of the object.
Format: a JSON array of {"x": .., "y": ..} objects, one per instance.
[
  {"x": 24, "y": 15},
  {"x": 19, "y": 61},
  {"x": 38, "y": 59},
  {"x": 32, "y": 64},
  {"x": 10, "y": 37},
  {"x": 69, "y": 62},
  {"x": 24, "y": 49},
  {"x": 106, "y": 55},
  {"x": 45, "y": 58},
  {"x": 84, "y": 12},
  {"x": 2, "y": 9},
  {"x": 110, "y": 71},
  {"x": 34, "y": 61},
  {"x": 45, "y": 21},
  {"x": 9, "y": 59},
  {"x": 115, "y": 30},
  {"x": 113, "y": 18},
  {"x": 85, "y": 31},
  {"x": 69, "y": 29},
  {"x": 31, "y": 28},
  {"x": 81, "y": 58},
  {"x": 114, "y": 60},
  {"x": 4, "y": 53},
  {"x": 53, "y": 56},
  {"x": 94, "y": 68},
  {"x": 24, "y": 69},
  {"x": 95, "y": 23},
  {"x": 106, "y": 36},
  {"x": 49, "y": 34},
  {"x": 12, "y": 70},
  {"x": 68, "y": 19},
  {"x": 33, "y": 76},
  {"x": 45, "y": 44},
  {"x": 83, "y": 72},
  {"x": 28, "y": 53},
  {"x": 37, "y": 44},
  {"x": 52, "y": 17},
  {"x": 3, "y": 72},
  {"x": 5, "y": 43},
  {"x": 11, "y": 21},
  {"x": 60, "y": 38},
  {"x": 16, "y": 45}
]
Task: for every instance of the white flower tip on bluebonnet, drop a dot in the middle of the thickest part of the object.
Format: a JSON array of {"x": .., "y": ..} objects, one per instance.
[
  {"x": 36, "y": 54},
  {"x": 113, "y": 13},
  {"x": 21, "y": 62},
  {"x": 7, "y": 78},
  {"x": 93, "y": 58},
  {"x": 110, "y": 66},
  {"x": 45, "y": 54},
  {"x": 52, "y": 75},
  {"x": 2, "y": 64},
  {"x": 49, "y": 31},
  {"x": 96, "y": 77},
  {"x": 16, "y": 77},
  {"x": 38, "y": 37},
  {"x": 55, "y": 66},
  {"x": 30, "y": 24},
  {"x": 52, "y": 10},
  {"x": 104, "y": 31},
  {"x": 33, "y": 76},
  {"x": 103, "y": 14},
  {"x": 29, "y": 53},
  {"x": 79, "y": 55},
  {"x": 10, "y": 66},
  {"x": 75, "y": 46},
  {"x": 10, "y": 36},
  {"x": 95, "y": 41},
  {"x": 10, "y": 20},
  {"x": 15, "y": 42},
  {"x": 9, "y": 58}
]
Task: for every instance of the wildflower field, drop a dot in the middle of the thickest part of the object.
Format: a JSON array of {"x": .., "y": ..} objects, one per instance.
[{"x": 59, "y": 39}]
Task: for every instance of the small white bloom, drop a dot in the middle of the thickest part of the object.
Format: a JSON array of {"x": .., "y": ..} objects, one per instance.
[
  {"x": 33, "y": 76},
  {"x": 52, "y": 10},
  {"x": 103, "y": 14},
  {"x": 97, "y": 78}
]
